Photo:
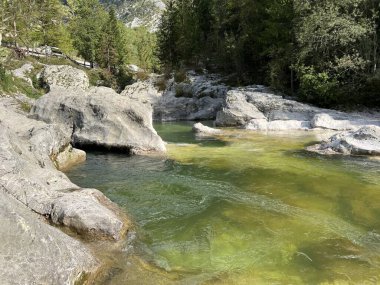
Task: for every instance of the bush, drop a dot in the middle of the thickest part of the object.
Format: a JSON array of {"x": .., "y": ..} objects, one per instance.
[
  {"x": 318, "y": 88},
  {"x": 180, "y": 76},
  {"x": 6, "y": 80},
  {"x": 161, "y": 83}
]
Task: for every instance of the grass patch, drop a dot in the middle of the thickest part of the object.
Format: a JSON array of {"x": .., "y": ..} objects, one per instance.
[{"x": 26, "y": 107}]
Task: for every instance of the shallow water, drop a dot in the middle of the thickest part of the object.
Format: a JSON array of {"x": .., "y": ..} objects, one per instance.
[{"x": 247, "y": 208}]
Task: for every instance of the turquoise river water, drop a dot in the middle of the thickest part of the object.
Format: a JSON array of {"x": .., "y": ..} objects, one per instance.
[{"x": 246, "y": 208}]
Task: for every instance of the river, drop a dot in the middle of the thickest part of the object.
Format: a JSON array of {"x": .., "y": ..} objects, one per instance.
[{"x": 246, "y": 208}]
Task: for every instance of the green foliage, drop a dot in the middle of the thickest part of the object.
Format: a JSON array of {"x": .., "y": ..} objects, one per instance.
[
  {"x": 11, "y": 85},
  {"x": 86, "y": 26},
  {"x": 319, "y": 88},
  {"x": 180, "y": 76},
  {"x": 6, "y": 80},
  {"x": 310, "y": 48},
  {"x": 161, "y": 83}
]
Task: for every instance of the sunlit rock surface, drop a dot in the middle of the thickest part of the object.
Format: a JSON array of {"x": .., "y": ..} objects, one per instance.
[{"x": 365, "y": 141}]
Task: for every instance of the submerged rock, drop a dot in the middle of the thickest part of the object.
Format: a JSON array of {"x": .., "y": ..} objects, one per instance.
[
  {"x": 101, "y": 118},
  {"x": 365, "y": 141},
  {"x": 202, "y": 130}
]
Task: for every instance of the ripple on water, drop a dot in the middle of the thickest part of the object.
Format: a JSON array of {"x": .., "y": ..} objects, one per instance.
[{"x": 253, "y": 210}]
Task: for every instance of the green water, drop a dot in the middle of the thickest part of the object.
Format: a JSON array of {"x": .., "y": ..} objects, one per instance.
[{"x": 247, "y": 208}]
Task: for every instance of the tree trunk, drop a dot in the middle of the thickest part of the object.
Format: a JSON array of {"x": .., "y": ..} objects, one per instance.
[{"x": 292, "y": 81}]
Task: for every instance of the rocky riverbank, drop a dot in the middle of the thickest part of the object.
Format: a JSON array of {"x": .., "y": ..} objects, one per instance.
[
  {"x": 36, "y": 195},
  {"x": 73, "y": 116},
  {"x": 255, "y": 108}
]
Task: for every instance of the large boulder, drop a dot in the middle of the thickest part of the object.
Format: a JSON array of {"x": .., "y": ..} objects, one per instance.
[
  {"x": 237, "y": 111},
  {"x": 144, "y": 91},
  {"x": 64, "y": 76},
  {"x": 277, "y": 125},
  {"x": 101, "y": 118},
  {"x": 365, "y": 141},
  {"x": 28, "y": 150}
]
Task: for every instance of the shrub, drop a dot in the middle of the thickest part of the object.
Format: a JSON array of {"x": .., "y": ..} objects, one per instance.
[
  {"x": 319, "y": 88},
  {"x": 180, "y": 76},
  {"x": 161, "y": 83}
]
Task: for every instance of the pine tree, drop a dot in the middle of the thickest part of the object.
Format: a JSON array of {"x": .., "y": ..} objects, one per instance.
[
  {"x": 110, "y": 49},
  {"x": 86, "y": 27},
  {"x": 167, "y": 37}
]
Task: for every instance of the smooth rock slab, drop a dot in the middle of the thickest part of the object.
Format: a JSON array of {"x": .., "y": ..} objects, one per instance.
[
  {"x": 325, "y": 121},
  {"x": 33, "y": 252},
  {"x": 277, "y": 125}
]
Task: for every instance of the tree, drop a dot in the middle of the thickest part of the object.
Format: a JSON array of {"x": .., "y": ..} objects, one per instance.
[
  {"x": 110, "y": 50},
  {"x": 334, "y": 47},
  {"x": 86, "y": 27},
  {"x": 167, "y": 36}
]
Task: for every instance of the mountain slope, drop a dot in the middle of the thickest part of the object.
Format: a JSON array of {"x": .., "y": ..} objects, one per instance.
[{"x": 136, "y": 13}]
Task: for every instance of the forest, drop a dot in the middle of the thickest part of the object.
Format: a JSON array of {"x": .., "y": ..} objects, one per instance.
[
  {"x": 324, "y": 52},
  {"x": 82, "y": 28}
]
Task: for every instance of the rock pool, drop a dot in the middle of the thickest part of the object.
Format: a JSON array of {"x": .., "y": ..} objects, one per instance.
[{"x": 247, "y": 208}]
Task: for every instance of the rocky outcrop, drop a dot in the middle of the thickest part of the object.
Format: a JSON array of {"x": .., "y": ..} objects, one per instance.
[
  {"x": 137, "y": 13},
  {"x": 199, "y": 97},
  {"x": 257, "y": 108},
  {"x": 69, "y": 157},
  {"x": 32, "y": 190},
  {"x": 28, "y": 150},
  {"x": 64, "y": 76},
  {"x": 237, "y": 111},
  {"x": 101, "y": 118},
  {"x": 202, "y": 130},
  {"x": 365, "y": 141}
]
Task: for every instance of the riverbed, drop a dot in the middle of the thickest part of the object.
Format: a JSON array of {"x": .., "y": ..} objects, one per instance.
[{"x": 243, "y": 208}]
